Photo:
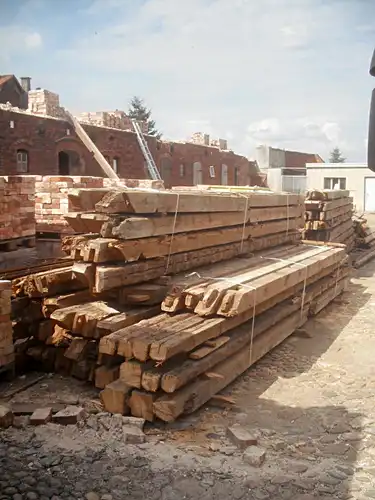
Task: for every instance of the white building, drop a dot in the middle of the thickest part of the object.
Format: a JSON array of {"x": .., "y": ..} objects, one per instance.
[{"x": 356, "y": 177}]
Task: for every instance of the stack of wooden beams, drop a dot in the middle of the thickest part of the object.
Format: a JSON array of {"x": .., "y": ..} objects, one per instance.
[
  {"x": 328, "y": 217},
  {"x": 137, "y": 236},
  {"x": 364, "y": 235},
  {"x": 215, "y": 325},
  {"x": 160, "y": 341}
]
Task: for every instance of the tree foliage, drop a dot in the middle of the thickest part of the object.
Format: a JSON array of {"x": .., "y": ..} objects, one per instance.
[
  {"x": 336, "y": 156},
  {"x": 139, "y": 111}
]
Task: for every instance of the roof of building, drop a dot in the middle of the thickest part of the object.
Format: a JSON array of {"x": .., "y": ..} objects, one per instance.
[
  {"x": 336, "y": 165},
  {"x": 6, "y": 78},
  {"x": 296, "y": 159}
]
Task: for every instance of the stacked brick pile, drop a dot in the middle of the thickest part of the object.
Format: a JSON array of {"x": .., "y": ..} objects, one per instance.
[
  {"x": 6, "y": 335},
  {"x": 51, "y": 200},
  {"x": 52, "y": 203},
  {"x": 17, "y": 207},
  {"x": 113, "y": 119},
  {"x": 44, "y": 102}
]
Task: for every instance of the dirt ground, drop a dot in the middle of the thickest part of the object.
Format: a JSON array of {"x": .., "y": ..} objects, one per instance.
[{"x": 310, "y": 403}]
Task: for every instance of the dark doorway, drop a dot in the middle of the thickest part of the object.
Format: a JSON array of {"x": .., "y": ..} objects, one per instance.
[{"x": 64, "y": 163}]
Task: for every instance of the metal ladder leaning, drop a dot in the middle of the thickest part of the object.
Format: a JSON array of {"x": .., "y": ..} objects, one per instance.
[{"x": 151, "y": 165}]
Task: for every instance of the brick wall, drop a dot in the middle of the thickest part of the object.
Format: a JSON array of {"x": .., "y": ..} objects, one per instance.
[
  {"x": 17, "y": 207},
  {"x": 45, "y": 138},
  {"x": 52, "y": 202}
]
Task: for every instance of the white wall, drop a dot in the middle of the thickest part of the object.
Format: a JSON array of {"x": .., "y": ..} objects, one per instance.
[
  {"x": 354, "y": 174},
  {"x": 268, "y": 157}
]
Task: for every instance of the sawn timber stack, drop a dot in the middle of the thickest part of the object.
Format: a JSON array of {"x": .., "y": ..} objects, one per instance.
[
  {"x": 168, "y": 297},
  {"x": 328, "y": 217},
  {"x": 143, "y": 235}
]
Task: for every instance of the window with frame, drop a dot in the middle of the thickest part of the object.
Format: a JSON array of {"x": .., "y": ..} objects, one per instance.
[
  {"x": 115, "y": 163},
  {"x": 334, "y": 182},
  {"x": 236, "y": 176},
  {"x": 182, "y": 170},
  {"x": 22, "y": 161},
  {"x": 212, "y": 172}
]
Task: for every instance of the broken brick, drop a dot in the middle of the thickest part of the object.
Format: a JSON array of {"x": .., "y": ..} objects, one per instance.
[
  {"x": 241, "y": 437},
  {"x": 6, "y": 417},
  {"x": 41, "y": 416},
  {"x": 69, "y": 416}
]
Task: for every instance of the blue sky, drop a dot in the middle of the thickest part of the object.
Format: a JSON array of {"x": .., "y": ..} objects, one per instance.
[{"x": 288, "y": 73}]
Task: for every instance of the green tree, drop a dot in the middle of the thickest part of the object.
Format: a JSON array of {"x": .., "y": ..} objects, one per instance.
[
  {"x": 139, "y": 111},
  {"x": 336, "y": 156}
]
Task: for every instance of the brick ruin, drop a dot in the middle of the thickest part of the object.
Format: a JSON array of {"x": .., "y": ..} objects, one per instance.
[{"x": 40, "y": 141}]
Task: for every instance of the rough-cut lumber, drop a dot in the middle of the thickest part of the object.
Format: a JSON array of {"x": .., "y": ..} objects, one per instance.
[
  {"x": 239, "y": 293},
  {"x": 141, "y": 404},
  {"x": 327, "y": 206},
  {"x": 131, "y": 372},
  {"x": 209, "y": 347},
  {"x": 167, "y": 343},
  {"x": 146, "y": 202},
  {"x": 105, "y": 375},
  {"x": 188, "y": 290},
  {"x": 101, "y": 250},
  {"x": 327, "y": 194},
  {"x": 127, "y": 228},
  {"x": 194, "y": 395},
  {"x": 184, "y": 372},
  {"x": 328, "y": 296},
  {"x": 82, "y": 319},
  {"x": 46, "y": 283},
  {"x": 108, "y": 277},
  {"x": 132, "y": 315},
  {"x": 115, "y": 397}
]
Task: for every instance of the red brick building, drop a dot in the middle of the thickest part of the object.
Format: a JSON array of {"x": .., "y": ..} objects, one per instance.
[{"x": 37, "y": 144}]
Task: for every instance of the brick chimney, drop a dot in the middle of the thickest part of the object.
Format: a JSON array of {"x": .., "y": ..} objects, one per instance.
[{"x": 26, "y": 83}]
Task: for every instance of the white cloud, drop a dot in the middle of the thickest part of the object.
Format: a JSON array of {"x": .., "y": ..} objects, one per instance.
[
  {"x": 14, "y": 39},
  {"x": 33, "y": 40},
  {"x": 290, "y": 68}
]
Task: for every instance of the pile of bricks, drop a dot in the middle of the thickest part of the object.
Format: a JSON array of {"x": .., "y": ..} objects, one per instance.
[
  {"x": 44, "y": 102},
  {"x": 51, "y": 200},
  {"x": 52, "y": 203},
  {"x": 113, "y": 119},
  {"x": 17, "y": 207},
  {"x": 6, "y": 334}
]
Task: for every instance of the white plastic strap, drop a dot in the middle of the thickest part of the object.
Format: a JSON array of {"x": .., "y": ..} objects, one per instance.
[{"x": 173, "y": 231}]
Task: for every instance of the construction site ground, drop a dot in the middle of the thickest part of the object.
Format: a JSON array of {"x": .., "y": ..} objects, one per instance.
[{"x": 310, "y": 403}]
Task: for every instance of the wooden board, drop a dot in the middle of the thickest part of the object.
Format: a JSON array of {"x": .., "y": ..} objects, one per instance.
[
  {"x": 326, "y": 194},
  {"x": 128, "y": 228},
  {"x": 193, "y": 396},
  {"x": 102, "y": 250},
  {"x": 235, "y": 302},
  {"x": 326, "y": 206},
  {"x": 184, "y": 372}
]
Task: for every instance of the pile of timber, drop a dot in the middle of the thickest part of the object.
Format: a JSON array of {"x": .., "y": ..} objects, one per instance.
[
  {"x": 364, "y": 236},
  {"x": 215, "y": 327},
  {"x": 328, "y": 217},
  {"x": 161, "y": 341},
  {"x": 364, "y": 242}
]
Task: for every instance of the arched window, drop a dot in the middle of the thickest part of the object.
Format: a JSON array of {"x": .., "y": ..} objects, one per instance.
[{"x": 22, "y": 161}]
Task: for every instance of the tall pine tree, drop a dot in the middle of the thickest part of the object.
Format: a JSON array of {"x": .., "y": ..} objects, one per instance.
[
  {"x": 336, "y": 156},
  {"x": 138, "y": 111}
]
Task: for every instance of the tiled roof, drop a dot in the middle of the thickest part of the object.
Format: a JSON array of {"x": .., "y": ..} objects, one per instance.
[
  {"x": 295, "y": 159},
  {"x": 5, "y": 78}
]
